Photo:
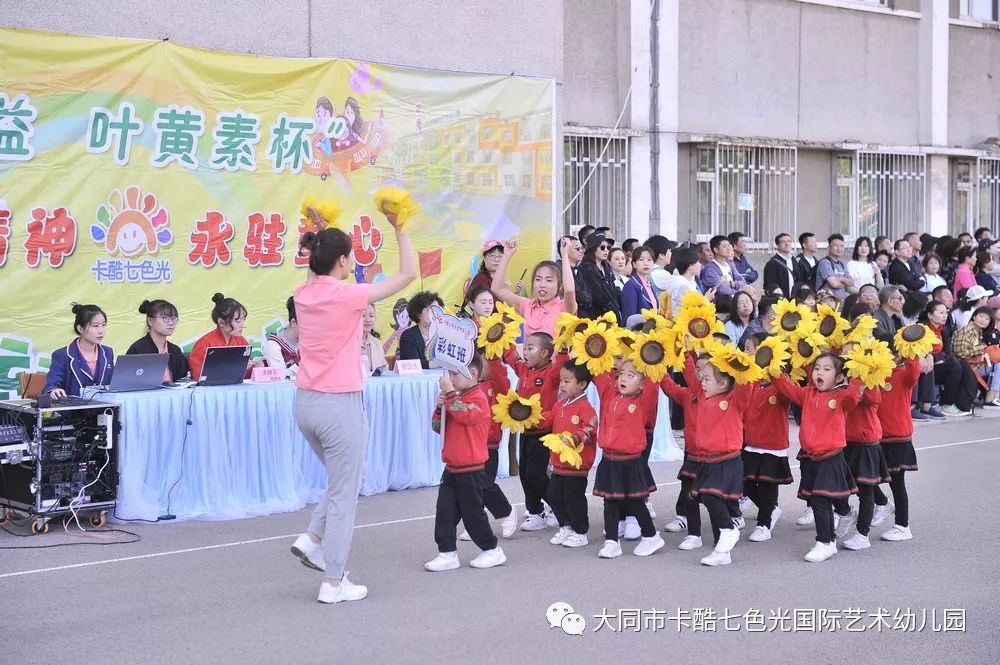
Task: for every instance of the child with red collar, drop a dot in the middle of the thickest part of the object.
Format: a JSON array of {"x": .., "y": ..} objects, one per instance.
[
  {"x": 537, "y": 373},
  {"x": 623, "y": 478},
  {"x": 897, "y": 445},
  {"x": 866, "y": 459},
  {"x": 826, "y": 481},
  {"x": 466, "y": 409},
  {"x": 574, "y": 415}
]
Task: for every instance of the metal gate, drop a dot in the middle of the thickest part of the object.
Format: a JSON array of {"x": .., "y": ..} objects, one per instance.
[
  {"x": 891, "y": 191},
  {"x": 988, "y": 200},
  {"x": 598, "y": 164}
]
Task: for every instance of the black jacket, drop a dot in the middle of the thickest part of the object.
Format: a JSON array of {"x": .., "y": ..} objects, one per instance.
[
  {"x": 900, "y": 274},
  {"x": 776, "y": 276},
  {"x": 411, "y": 346},
  {"x": 178, "y": 364},
  {"x": 604, "y": 296},
  {"x": 805, "y": 272}
]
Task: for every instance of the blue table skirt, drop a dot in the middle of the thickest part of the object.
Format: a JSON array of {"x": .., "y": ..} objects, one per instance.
[{"x": 244, "y": 456}]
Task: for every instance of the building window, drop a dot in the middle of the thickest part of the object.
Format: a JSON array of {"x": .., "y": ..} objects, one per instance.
[
  {"x": 978, "y": 10},
  {"x": 526, "y": 181},
  {"x": 988, "y": 199},
  {"x": 962, "y": 202},
  {"x": 845, "y": 208},
  {"x": 508, "y": 180},
  {"x": 508, "y": 158},
  {"x": 595, "y": 181},
  {"x": 891, "y": 189}
]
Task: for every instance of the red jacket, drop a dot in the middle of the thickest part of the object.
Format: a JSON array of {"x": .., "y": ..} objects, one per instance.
[
  {"x": 497, "y": 384},
  {"x": 687, "y": 398},
  {"x": 465, "y": 431},
  {"x": 577, "y": 417},
  {"x": 544, "y": 381},
  {"x": 894, "y": 412},
  {"x": 862, "y": 421},
  {"x": 765, "y": 422},
  {"x": 196, "y": 359},
  {"x": 720, "y": 424},
  {"x": 824, "y": 414},
  {"x": 622, "y": 432}
]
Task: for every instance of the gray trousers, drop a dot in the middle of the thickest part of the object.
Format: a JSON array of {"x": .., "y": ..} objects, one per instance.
[{"x": 337, "y": 430}]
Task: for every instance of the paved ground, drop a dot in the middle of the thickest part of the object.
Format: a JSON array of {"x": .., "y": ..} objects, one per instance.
[{"x": 228, "y": 592}]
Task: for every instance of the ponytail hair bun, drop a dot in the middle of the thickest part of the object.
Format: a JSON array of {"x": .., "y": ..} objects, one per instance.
[
  {"x": 76, "y": 308},
  {"x": 145, "y": 307},
  {"x": 218, "y": 297}
]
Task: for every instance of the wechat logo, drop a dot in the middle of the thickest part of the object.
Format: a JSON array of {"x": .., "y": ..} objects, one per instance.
[{"x": 561, "y": 615}]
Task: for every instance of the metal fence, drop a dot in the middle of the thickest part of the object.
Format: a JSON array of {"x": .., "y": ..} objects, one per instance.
[
  {"x": 604, "y": 199},
  {"x": 988, "y": 200},
  {"x": 891, "y": 193}
]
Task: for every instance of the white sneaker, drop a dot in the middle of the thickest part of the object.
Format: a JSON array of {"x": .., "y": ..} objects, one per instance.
[
  {"x": 821, "y": 552},
  {"x": 744, "y": 502},
  {"x": 649, "y": 545},
  {"x": 836, "y": 521},
  {"x": 717, "y": 558},
  {"x": 309, "y": 553},
  {"x": 561, "y": 535},
  {"x": 632, "y": 529},
  {"x": 727, "y": 539},
  {"x": 508, "y": 525},
  {"x": 649, "y": 507},
  {"x": 611, "y": 550},
  {"x": 882, "y": 513},
  {"x": 533, "y": 523},
  {"x": 443, "y": 561},
  {"x": 739, "y": 522},
  {"x": 621, "y": 529},
  {"x": 690, "y": 543},
  {"x": 576, "y": 540},
  {"x": 775, "y": 516},
  {"x": 760, "y": 534},
  {"x": 676, "y": 525},
  {"x": 465, "y": 536},
  {"x": 806, "y": 518},
  {"x": 898, "y": 533},
  {"x": 345, "y": 591},
  {"x": 489, "y": 558},
  {"x": 846, "y": 523},
  {"x": 857, "y": 542},
  {"x": 551, "y": 521}
]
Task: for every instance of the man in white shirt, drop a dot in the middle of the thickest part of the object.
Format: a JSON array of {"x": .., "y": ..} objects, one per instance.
[{"x": 779, "y": 272}]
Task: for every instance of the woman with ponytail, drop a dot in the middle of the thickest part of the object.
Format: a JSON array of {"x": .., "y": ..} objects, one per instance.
[
  {"x": 230, "y": 318},
  {"x": 84, "y": 362},
  {"x": 161, "y": 322}
]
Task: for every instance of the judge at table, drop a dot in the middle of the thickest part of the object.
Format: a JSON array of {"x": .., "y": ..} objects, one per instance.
[
  {"x": 281, "y": 349},
  {"x": 415, "y": 341}
]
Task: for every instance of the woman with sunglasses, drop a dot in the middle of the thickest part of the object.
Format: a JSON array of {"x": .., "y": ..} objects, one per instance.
[{"x": 596, "y": 275}]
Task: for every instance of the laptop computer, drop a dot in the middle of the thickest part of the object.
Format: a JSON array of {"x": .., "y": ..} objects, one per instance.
[
  {"x": 141, "y": 371},
  {"x": 224, "y": 365}
]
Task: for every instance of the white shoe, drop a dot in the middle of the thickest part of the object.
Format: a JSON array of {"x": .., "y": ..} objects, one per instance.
[
  {"x": 611, "y": 550},
  {"x": 551, "y": 521},
  {"x": 575, "y": 540},
  {"x": 632, "y": 529},
  {"x": 690, "y": 543},
  {"x": 760, "y": 534},
  {"x": 561, "y": 535},
  {"x": 676, "y": 525},
  {"x": 836, "y": 521},
  {"x": 489, "y": 558},
  {"x": 882, "y": 513},
  {"x": 621, "y": 529},
  {"x": 309, "y": 553},
  {"x": 739, "y": 522},
  {"x": 443, "y": 561},
  {"x": 717, "y": 558},
  {"x": 508, "y": 525},
  {"x": 857, "y": 542},
  {"x": 649, "y": 545},
  {"x": 898, "y": 533},
  {"x": 345, "y": 591},
  {"x": 821, "y": 552},
  {"x": 727, "y": 539},
  {"x": 775, "y": 516},
  {"x": 533, "y": 523},
  {"x": 744, "y": 502},
  {"x": 465, "y": 536},
  {"x": 649, "y": 507},
  {"x": 806, "y": 518},
  {"x": 846, "y": 523}
]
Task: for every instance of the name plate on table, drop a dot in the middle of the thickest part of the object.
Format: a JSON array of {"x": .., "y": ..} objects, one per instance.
[
  {"x": 407, "y": 367},
  {"x": 267, "y": 375}
]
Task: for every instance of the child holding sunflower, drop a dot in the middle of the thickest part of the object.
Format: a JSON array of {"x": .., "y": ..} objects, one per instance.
[
  {"x": 895, "y": 417},
  {"x": 867, "y": 462}
]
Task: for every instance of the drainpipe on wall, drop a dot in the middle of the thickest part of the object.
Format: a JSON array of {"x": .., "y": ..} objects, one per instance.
[{"x": 654, "y": 118}]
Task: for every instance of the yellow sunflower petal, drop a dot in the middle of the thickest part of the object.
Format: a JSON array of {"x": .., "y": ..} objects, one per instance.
[
  {"x": 736, "y": 364},
  {"x": 654, "y": 321},
  {"x": 697, "y": 322},
  {"x": 914, "y": 341},
  {"x": 398, "y": 202},
  {"x": 792, "y": 318},
  {"x": 831, "y": 325},
  {"x": 497, "y": 334},
  {"x": 870, "y": 361},
  {"x": 516, "y": 413},
  {"x": 771, "y": 356},
  {"x": 806, "y": 348},
  {"x": 860, "y": 330},
  {"x": 596, "y": 348},
  {"x": 328, "y": 209},
  {"x": 567, "y": 326},
  {"x": 654, "y": 353}
]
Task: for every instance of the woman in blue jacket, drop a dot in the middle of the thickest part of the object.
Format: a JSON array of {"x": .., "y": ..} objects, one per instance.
[
  {"x": 84, "y": 362},
  {"x": 638, "y": 293}
]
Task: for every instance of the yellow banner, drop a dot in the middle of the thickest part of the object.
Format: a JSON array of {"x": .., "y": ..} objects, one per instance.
[{"x": 135, "y": 169}]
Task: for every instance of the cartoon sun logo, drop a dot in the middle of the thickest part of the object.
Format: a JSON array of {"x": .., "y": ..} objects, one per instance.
[{"x": 131, "y": 223}]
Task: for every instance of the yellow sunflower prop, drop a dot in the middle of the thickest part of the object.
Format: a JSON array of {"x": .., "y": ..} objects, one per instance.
[
  {"x": 914, "y": 341},
  {"x": 798, "y": 374},
  {"x": 654, "y": 321},
  {"x": 654, "y": 353},
  {"x": 736, "y": 364},
  {"x": 831, "y": 325},
  {"x": 860, "y": 330},
  {"x": 328, "y": 209},
  {"x": 608, "y": 321},
  {"x": 497, "y": 333},
  {"x": 517, "y": 413},
  {"x": 771, "y": 356},
  {"x": 791, "y": 318},
  {"x": 569, "y": 452},
  {"x": 694, "y": 299},
  {"x": 596, "y": 348},
  {"x": 567, "y": 326},
  {"x": 806, "y": 348},
  {"x": 871, "y": 361},
  {"x": 398, "y": 202},
  {"x": 697, "y": 323}
]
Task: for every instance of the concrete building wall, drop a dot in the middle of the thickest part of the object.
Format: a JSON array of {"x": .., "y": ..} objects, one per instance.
[
  {"x": 974, "y": 85},
  {"x": 596, "y": 68},
  {"x": 815, "y": 193}
]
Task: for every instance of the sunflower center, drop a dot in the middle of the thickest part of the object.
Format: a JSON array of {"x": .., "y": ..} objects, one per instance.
[
  {"x": 913, "y": 333},
  {"x": 595, "y": 346},
  {"x": 649, "y": 326},
  {"x": 763, "y": 357},
  {"x": 805, "y": 349},
  {"x": 652, "y": 353},
  {"x": 738, "y": 365},
  {"x": 495, "y": 333},
  {"x": 699, "y": 328},
  {"x": 790, "y": 321},
  {"x": 580, "y": 327},
  {"x": 519, "y": 411},
  {"x": 827, "y": 326}
]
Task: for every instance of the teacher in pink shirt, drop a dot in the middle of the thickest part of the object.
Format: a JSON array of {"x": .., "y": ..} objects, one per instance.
[{"x": 329, "y": 402}]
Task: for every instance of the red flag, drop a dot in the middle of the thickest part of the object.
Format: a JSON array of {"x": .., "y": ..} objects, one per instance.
[{"x": 430, "y": 263}]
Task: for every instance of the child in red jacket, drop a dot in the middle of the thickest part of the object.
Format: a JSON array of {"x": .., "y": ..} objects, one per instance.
[
  {"x": 897, "y": 444},
  {"x": 572, "y": 414},
  {"x": 867, "y": 461},
  {"x": 623, "y": 478},
  {"x": 826, "y": 481},
  {"x": 466, "y": 412}
]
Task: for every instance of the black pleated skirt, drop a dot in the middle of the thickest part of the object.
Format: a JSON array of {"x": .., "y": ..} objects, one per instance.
[
  {"x": 900, "y": 456},
  {"x": 623, "y": 479},
  {"x": 867, "y": 462},
  {"x": 764, "y": 468},
  {"x": 830, "y": 477},
  {"x": 721, "y": 479}
]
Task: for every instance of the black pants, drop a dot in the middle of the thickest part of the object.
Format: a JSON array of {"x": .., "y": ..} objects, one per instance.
[
  {"x": 866, "y": 508},
  {"x": 676, "y": 410},
  {"x": 534, "y": 465},
  {"x": 493, "y": 497},
  {"x": 614, "y": 509},
  {"x": 899, "y": 495},
  {"x": 923, "y": 392},
  {"x": 765, "y": 497},
  {"x": 957, "y": 382},
  {"x": 719, "y": 514},
  {"x": 460, "y": 498},
  {"x": 568, "y": 498},
  {"x": 684, "y": 498},
  {"x": 823, "y": 507}
]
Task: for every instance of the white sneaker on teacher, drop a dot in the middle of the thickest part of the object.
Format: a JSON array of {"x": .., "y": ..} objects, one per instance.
[
  {"x": 612, "y": 550},
  {"x": 346, "y": 591},
  {"x": 676, "y": 525},
  {"x": 690, "y": 543},
  {"x": 717, "y": 558},
  {"x": 649, "y": 545},
  {"x": 561, "y": 535},
  {"x": 508, "y": 525},
  {"x": 443, "y": 561},
  {"x": 489, "y": 558},
  {"x": 533, "y": 523},
  {"x": 806, "y": 518},
  {"x": 821, "y": 552},
  {"x": 898, "y": 533},
  {"x": 308, "y": 552},
  {"x": 576, "y": 540},
  {"x": 857, "y": 542},
  {"x": 882, "y": 513},
  {"x": 632, "y": 529}
]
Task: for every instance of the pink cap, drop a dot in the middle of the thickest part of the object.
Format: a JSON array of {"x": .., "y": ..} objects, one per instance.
[{"x": 490, "y": 245}]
